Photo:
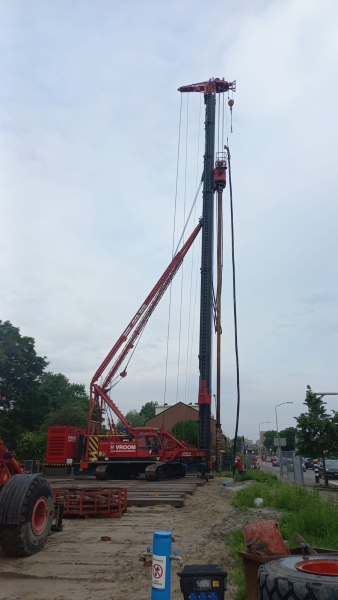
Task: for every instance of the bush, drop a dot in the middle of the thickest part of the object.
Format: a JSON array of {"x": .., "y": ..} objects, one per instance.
[{"x": 31, "y": 445}]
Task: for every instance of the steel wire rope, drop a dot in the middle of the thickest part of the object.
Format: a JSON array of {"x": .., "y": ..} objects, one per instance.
[
  {"x": 223, "y": 123},
  {"x": 218, "y": 120},
  {"x": 198, "y": 253},
  {"x": 192, "y": 267},
  {"x": 172, "y": 254},
  {"x": 182, "y": 277},
  {"x": 193, "y": 320},
  {"x": 118, "y": 377}
]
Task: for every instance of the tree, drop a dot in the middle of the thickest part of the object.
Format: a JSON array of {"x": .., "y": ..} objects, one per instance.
[
  {"x": 186, "y": 431},
  {"x": 73, "y": 415},
  {"x": 20, "y": 370},
  {"x": 238, "y": 444},
  {"x": 317, "y": 431},
  {"x": 31, "y": 445},
  {"x": 269, "y": 439},
  {"x": 148, "y": 411},
  {"x": 138, "y": 419},
  {"x": 290, "y": 434},
  {"x": 133, "y": 417}
]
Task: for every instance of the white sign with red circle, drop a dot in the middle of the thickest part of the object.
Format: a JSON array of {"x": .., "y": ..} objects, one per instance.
[{"x": 158, "y": 578}]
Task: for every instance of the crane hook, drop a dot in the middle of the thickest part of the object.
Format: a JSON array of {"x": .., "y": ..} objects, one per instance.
[{"x": 230, "y": 104}]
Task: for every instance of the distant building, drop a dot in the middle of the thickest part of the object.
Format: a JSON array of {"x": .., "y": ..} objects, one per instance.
[
  {"x": 168, "y": 415},
  {"x": 260, "y": 442}
]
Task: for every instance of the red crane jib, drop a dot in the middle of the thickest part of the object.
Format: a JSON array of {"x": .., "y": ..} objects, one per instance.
[
  {"x": 169, "y": 447},
  {"x": 145, "y": 311}
]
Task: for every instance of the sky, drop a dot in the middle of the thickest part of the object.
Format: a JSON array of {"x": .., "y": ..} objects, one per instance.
[{"x": 88, "y": 160}]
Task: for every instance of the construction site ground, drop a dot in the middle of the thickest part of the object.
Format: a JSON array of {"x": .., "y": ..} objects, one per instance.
[{"x": 76, "y": 565}]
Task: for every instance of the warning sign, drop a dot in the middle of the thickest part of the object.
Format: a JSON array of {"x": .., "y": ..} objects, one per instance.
[
  {"x": 159, "y": 566},
  {"x": 157, "y": 571}
]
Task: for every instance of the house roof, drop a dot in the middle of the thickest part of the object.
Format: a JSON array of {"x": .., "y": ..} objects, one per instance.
[{"x": 174, "y": 406}]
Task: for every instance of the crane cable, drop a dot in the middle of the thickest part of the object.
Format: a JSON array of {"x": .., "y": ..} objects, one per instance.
[
  {"x": 172, "y": 255},
  {"x": 182, "y": 276},
  {"x": 118, "y": 378},
  {"x": 234, "y": 303},
  {"x": 192, "y": 265}
]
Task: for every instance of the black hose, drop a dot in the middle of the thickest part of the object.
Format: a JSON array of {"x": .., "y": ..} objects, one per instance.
[{"x": 234, "y": 305}]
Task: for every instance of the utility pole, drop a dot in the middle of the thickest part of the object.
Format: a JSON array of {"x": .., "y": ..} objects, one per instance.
[{"x": 209, "y": 89}]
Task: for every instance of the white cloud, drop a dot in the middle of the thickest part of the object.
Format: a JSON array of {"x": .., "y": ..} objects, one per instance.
[{"x": 89, "y": 117}]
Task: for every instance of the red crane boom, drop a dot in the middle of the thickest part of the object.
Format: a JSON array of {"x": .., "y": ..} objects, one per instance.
[{"x": 99, "y": 393}]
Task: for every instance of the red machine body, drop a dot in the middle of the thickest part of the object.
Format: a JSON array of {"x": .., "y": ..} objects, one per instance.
[{"x": 64, "y": 445}]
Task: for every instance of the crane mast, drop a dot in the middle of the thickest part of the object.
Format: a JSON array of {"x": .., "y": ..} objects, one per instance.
[{"x": 209, "y": 89}]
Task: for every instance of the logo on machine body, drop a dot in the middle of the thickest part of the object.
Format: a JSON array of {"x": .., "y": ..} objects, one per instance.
[{"x": 122, "y": 447}]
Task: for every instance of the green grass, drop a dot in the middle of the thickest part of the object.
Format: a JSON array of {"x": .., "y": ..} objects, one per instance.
[
  {"x": 250, "y": 475},
  {"x": 303, "y": 512},
  {"x": 237, "y": 576}
]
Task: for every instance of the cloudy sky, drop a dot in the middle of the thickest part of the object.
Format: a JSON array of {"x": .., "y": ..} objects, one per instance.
[{"x": 89, "y": 128}]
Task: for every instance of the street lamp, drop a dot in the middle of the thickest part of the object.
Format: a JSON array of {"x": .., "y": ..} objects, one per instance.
[
  {"x": 325, "y": 393},
  {"x": 281, "y": 404},
  {"x": 259, "y": 429}
]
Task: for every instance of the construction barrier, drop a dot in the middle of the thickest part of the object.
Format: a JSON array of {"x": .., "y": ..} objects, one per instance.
[{"x": 104, "y": 503}]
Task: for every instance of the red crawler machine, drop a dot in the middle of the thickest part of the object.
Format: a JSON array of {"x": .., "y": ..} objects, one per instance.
[
  {"x": 26, "y": 508},
  {"x": 136, "y": 450}
]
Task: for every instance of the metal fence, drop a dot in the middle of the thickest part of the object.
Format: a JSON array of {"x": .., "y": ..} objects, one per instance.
[
  {"x": 32, "y": 466},
  {"x": 291, "y": 466}
]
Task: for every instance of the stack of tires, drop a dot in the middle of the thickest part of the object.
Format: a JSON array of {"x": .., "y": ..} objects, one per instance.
[{"x": 284, "y": 579}]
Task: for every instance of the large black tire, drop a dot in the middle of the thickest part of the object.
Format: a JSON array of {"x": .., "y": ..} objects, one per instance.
[
  {"x": 280, "y": 580},
  {"x": 36, "y": 518}
]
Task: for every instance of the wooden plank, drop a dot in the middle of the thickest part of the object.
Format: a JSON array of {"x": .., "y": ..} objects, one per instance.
[
  {"x": 178, "y": 501},
  {"x": 155, "y": 495}
]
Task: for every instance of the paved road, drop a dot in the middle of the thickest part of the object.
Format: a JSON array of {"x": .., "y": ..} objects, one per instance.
[{"x": 309, "y": 474}]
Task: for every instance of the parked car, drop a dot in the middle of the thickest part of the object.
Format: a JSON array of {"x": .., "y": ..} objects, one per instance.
[
  {"x": 309, "y": 463},
  {"x": 331, "y": 469}
]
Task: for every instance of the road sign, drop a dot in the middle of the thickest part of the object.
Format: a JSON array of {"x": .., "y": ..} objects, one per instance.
[
  {"x": 158, "y": 578},
  {"x": 279, "y": 441}
]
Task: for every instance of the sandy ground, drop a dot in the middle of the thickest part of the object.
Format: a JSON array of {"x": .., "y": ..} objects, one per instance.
[{"x": 76, "y": 565}]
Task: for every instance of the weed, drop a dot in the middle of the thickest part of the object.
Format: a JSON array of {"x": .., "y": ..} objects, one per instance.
[
  {"x": 304, "y": 512},
  {"x": 250, "y": 475}
]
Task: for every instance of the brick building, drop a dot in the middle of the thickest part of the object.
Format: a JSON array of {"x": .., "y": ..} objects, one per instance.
[{"x": 167, "y": 416}]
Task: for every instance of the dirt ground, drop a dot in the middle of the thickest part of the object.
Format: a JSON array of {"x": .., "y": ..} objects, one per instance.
[{"x": 76, "y": 565}]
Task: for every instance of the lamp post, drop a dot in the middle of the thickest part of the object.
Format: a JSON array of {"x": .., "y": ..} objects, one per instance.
[
  {"x": 259, "y": 429},
  {"x": 278, "y": 446},
  {"x": 325, "y": 393}
]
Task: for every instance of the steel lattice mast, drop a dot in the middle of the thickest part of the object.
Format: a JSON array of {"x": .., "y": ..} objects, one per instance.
[{"x": 209, "y": 89}]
